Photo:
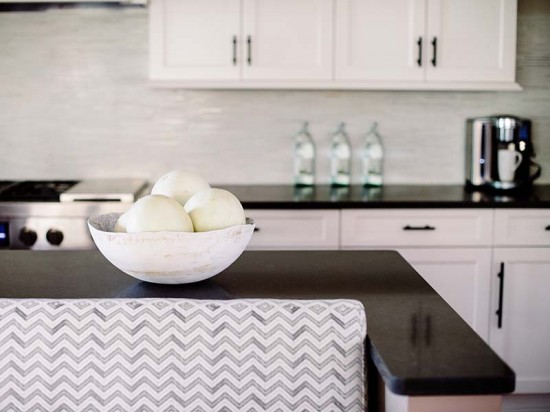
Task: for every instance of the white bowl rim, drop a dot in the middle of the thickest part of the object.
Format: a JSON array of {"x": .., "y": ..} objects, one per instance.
[{"x": 164, "y": 233}]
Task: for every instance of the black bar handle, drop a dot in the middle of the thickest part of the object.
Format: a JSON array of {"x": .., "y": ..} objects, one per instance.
[
  {"x": 256, "y": 229},
  {"x": 547, "y": 227},
  {"x": 500, "y": 294},
  {"x": 427, "y": 227},
  {"x": 249, "y": 50},
  {"x": 434, "y": 46},
  {"x": 419, "y": 61},
  {"x": 234, "y": 50}
]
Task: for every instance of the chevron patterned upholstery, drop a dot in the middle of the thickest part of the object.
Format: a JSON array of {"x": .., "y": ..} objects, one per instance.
[{"x": 181, "y": 355}]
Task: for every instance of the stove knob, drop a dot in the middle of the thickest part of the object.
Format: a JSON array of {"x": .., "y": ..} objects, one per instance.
[
  {"x": 27, "y": 236},
  {"x": 54, "y": 237}
]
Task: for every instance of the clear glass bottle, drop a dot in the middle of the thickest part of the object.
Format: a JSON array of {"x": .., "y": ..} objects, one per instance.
[
  {"x": 373, "y": 158},
  {"x": 340, "y": 158},
  {"x": 304, "y": 158}
]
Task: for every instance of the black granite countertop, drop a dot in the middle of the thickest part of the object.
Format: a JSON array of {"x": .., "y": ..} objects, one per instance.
[
  {"x": 388, "y": 196},
  {"x": 419, "y": 345}
]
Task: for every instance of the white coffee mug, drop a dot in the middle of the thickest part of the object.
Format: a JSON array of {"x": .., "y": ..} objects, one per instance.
[{"x": 508, "y": 162}]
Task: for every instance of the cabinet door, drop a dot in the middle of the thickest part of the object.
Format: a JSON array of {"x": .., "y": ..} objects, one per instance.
[
  {"x": 416, "y": 227},
  {"x": 287, "y": 39},
  {"x": 522, "y": 227},
  {"x": 461, "y": 276},
  {"x": 194, "y": 40},
  {"x": 523, "y": 337},
  {"x": 380, "y": 40},
  {"x": 474, "y": 40},
  {"x": 294, "y": 229}
]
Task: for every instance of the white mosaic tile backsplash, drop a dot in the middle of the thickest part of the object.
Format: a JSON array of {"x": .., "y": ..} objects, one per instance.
[{"x": 75, "y": 102}]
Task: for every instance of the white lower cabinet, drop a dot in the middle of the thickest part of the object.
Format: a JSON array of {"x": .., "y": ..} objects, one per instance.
[
  {"x": 416, "y": 227},
  {"x": 295, "y": 229},
  {"x": 521, "y": 292},
  {"x": 521, "y": 334},
  {"x": 461, "y": 276},
  {"x": 450, "y": 248}
]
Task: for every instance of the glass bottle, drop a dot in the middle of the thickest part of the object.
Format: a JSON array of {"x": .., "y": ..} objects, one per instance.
[
  {"x": 304, "y": 158},
  {"x": 340, "y": 158},
  {"x": 373, "y": 158}
]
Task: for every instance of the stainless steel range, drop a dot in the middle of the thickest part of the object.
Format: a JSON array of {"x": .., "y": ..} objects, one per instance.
[{"x": 52, "y": 215}]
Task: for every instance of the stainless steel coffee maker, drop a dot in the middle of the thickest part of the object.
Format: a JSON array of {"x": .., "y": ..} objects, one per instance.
[{"x": 499, "y": 153}]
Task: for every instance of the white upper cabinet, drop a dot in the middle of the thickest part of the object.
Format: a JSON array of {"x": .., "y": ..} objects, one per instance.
[
  {"x": 194, "y": 40},
  {"x": 287, "y": 39},
  {"x": 219, "y": 40},
  {"x": 471, "y": 40},
  {"x": 334, "y": 44},
  {"x": 380, "y": 40},
  {"x": 430, "y": 41}
]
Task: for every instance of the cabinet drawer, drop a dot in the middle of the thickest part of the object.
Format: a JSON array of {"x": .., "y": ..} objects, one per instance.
[
  {"x": 522, "y": 227},
  {"x": 416, "y": 227},
  {"x": 295, "y": 229}
]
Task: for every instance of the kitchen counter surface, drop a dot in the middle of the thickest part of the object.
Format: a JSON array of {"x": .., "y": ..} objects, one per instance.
[
  {"x": 389, "y": 196},
  {"x": 417, "y": 342}
]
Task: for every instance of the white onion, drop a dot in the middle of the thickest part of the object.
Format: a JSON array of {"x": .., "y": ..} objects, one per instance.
[
  {"x": 214, "y": 209},
  {"x": 179, "y": 185},
  {"x": 156, "y": 213}
]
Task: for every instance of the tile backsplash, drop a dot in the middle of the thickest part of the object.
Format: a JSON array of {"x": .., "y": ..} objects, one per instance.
[{"x": 75, "y": 102}]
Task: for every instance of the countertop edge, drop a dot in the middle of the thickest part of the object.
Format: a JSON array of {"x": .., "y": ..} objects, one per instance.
[{"x": 490, "y": 385}]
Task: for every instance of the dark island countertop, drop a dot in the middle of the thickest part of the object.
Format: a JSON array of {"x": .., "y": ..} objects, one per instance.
[
  {"x": 419, "y": 345},
  {"x": 387, "y": 196}
]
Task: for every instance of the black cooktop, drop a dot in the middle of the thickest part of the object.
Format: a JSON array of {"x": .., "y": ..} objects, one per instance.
[{"x": 34, "y": 190}]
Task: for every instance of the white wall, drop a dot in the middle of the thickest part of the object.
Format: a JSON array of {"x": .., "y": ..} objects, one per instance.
[{"x": 75, "y": 103}]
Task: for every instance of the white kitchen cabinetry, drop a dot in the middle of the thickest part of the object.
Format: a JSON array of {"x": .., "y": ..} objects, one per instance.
[
  {"x": 438, "y": 244},
  {"x": 380, "y": 40},
  {"x": 431, "y": 41},
  {"x": 287, "y": 39},
  {"x": 520, "y": 332},
  {"x": 218, "y": 40},
  {"x": 295, "y": 229},
  {"x": 194, "y": 40},
  {"x": 471, "y": 40},
  {"x": 334, "y": 44},
  {"x": 522, "y": 227},
  {"x": 461, "y": 276},
  {"x": 416, "y": 227}
]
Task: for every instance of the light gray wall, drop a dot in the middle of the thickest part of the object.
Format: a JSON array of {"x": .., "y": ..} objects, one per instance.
[{"x": 75, "y": 103}]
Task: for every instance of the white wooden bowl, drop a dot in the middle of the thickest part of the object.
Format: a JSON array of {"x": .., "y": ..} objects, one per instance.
[{"x": 169, "y": 257}]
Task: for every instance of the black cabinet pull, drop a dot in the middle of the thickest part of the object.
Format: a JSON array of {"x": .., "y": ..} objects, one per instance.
[
  {"x": 427, "y": 227},
  {"x": 256, "y": 229},
  {"x": 249, "y": 50},
  {"x": 419, "y": 61},
  {"x": 500, "y": 295},
  {"x": 434, "y": 46},
  {"x": 547, "y": 227},
  {"x": 234, "y": 50}
]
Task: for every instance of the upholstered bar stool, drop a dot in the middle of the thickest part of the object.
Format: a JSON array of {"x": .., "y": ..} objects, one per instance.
[{"x": 181, "y": 355}]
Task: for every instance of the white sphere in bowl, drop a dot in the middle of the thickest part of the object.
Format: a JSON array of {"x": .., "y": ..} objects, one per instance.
[
  {"x": 121, "y": 223},
  {"x": 157, "y": 213},
  {"x": 179, "y": 185},
  {"x": 214, "y": 209}
]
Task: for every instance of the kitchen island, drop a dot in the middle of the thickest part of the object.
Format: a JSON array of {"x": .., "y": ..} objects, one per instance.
[{"x": 417, "y": 344}]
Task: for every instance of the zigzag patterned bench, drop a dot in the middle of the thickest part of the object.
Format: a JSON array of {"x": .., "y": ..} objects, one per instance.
[{"x": 181, "y": 355}]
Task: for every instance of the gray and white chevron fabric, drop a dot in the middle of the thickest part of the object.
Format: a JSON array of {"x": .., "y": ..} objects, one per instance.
[{"x": 181, "y": 355}]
